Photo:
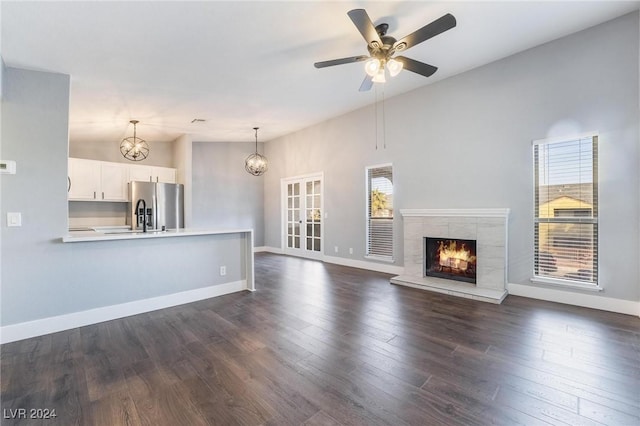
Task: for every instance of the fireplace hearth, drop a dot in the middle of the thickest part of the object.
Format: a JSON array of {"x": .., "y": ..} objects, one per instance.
[{"x": 454, "y": 259}]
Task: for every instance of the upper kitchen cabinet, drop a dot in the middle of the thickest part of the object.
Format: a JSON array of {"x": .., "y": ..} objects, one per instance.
[
  {"x": 152, "y": 174},
  {"x": 91, "y": 180},
  {"x": 114, "y": 178},
  {"x": 83, "y": 182}
]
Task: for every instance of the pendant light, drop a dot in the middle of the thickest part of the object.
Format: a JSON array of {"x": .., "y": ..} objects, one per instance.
[
  {"x": 256, "y": 164},
  {"x": 133, "y": 148}
]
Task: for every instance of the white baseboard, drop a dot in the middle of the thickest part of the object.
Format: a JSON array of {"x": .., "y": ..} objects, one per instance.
[
  {"x": 25, "y": 330},
  {"x": 363, "y": 264},
  {"x": 620, "y": 306},
  {"x": 267, "y": 249},
  {"x": 360, "y": 264}
]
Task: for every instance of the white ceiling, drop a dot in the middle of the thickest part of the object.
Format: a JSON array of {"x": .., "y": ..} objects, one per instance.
[{"x": 240, "y": 64}]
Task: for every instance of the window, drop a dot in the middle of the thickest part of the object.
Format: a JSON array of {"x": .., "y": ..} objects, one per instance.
[
  {"x": 566, "y": 211},
  {"x": 380, "y": 212}
]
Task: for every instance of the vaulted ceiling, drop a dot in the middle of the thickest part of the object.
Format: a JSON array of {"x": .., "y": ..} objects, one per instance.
[{"x": 240, "y": 64}]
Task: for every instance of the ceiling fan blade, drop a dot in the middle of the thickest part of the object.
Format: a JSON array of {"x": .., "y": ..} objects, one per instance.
[
  {"x": 340, "y": 61},
  {"x": 417, "y": 66},
  {"x": 363, "y": 23},
  {"x": 367, "y": 83},
  {"x": 438, "y": 26}
]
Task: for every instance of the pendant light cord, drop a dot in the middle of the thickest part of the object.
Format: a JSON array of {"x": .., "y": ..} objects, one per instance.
[{"x": 256, "y": 129}]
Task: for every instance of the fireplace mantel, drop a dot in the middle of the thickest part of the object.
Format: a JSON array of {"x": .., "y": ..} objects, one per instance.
[
  {"x": 454, "y": 212},
  {"x": 487, "y": 226}
]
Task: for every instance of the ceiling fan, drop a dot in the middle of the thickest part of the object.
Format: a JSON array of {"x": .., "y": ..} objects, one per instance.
[{"x": 382, "y": 48}]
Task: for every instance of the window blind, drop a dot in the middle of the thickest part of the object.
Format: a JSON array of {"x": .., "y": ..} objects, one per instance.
[
  {"x": 566, "y": 210},
  {"x": 380, "y": 211}
]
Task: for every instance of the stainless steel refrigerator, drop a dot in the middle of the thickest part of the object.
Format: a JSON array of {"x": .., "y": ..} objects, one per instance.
[{"x": 161, "y": 205}]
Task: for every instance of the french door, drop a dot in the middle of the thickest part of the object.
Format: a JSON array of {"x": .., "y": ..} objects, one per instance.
[{"x": 302, "y": 216}]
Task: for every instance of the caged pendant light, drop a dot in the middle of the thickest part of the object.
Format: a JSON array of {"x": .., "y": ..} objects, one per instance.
[
  {"x": 256, "y": 164},
  {"x": 133, "y": 148}
]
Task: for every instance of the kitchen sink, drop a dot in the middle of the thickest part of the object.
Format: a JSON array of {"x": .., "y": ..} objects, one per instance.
[{"x": 129, "y": 231}]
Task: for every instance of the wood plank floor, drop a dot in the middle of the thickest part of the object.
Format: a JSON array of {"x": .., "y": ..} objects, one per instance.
[{"x": 321, "y": 344}]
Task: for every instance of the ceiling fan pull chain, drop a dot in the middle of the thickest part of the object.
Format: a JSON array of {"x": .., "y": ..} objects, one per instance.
[
  {"x": 376, "y": 115},
  {"x": 384, "y": 122}
]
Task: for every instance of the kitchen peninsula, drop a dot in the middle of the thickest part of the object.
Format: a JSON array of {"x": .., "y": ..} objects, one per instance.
[{"x": 127, "y": 273}]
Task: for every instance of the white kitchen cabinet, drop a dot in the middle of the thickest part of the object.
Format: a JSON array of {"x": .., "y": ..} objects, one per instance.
[
  {"x": 84, "y": 179},
  {"x": 165, "y": 174},
  {"x": 91, "y": 180},
  {"x": 140, "y": 173},
  {"x": 113, "y": 179},
  {"x": 152, "y": 174}
]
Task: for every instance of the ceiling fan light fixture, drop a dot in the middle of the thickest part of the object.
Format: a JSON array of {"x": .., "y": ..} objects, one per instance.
[
  {"x": 394, "y": 67},
  {"x": 379, "y": 77},
  {"x": 381, "y": 48},
  {"x": 372, "y": 66}
]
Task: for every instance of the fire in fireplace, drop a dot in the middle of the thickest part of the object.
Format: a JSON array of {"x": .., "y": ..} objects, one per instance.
[{"x": 454, "y": 259}]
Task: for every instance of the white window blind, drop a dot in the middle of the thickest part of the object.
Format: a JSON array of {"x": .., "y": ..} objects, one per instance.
[
  {"x": 380, "y": 212},
  {"x": 566, "y": 210}
]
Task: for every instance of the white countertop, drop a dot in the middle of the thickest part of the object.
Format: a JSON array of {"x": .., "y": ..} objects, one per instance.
[{"x": 84, "y": 236}]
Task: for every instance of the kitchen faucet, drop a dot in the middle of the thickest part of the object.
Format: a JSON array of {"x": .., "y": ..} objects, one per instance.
[{"x": 143, "y": 214}]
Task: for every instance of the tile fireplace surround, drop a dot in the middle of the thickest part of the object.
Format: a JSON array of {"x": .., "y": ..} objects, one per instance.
[{"x": 487, "y": 226}]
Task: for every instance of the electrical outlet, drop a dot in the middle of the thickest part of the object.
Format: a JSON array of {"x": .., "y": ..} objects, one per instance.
[
  {"x": 350, "y": 250},
  {"x": 335, "y": 249},
  {"x": 223, "y": 270}
]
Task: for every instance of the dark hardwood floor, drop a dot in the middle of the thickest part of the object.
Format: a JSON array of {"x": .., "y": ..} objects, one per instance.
[{"x": 320, "y": 344}]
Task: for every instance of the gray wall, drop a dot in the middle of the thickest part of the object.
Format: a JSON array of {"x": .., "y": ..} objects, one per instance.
[
  {"x": 42, "y": 277},
  {"x": 465, "y": 142},
  {"x": 224, "y": 194},
  {"x": 37, "y": 190},
  {"x": 160, "y": 153},
  {"x": 183, "y": 158}
]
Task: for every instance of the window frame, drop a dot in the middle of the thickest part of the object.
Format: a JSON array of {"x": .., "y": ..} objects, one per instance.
[
  {"x": 368, "y": 255},
  {"x": 593, "y": 219}
]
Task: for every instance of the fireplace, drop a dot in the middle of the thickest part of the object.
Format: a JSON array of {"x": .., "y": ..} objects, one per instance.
[
  {"x": 487, "y": 228},
  {"x": 454, "y": 259}
]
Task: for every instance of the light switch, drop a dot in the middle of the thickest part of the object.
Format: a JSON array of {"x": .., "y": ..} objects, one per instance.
[{"x": 14, "y": 219}]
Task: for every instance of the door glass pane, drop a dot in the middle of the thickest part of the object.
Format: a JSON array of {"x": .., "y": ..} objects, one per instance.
[
  {"x": 290, "y": 241},
  {"x": 289, "y": 190},
  {"x": 296, "y": 189},
  {"x": 316, "y": 201},
  {"x": 309, "y": 243},
  {"x": 316, "y": 230},
  {"x": 296, "y": 242},
  {"x": 296, "y": 229},
  {"x": 309, "y": 187},
  {"x": 296, "y": 203},
  {"x": 316, "y": 244},
  {"x": 289, "y": 215},
  {"x": 316, "y": 187}
]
